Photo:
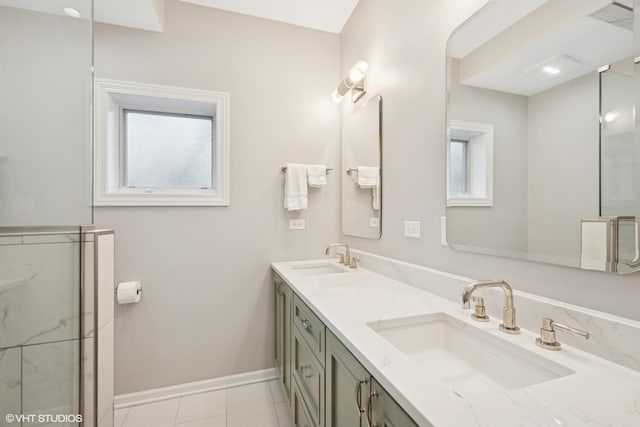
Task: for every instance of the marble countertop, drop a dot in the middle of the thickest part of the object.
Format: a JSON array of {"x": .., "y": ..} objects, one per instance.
[{"x": 598, "y": 393}]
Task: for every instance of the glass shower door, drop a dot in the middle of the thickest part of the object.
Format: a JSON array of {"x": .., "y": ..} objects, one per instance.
[{"x": 46, "y": 58}]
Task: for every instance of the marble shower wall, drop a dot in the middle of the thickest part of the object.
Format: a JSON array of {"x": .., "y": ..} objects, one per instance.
[{"x": 39, "y": 324}]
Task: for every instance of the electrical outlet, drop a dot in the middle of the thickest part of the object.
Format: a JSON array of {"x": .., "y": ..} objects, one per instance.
[
  {"x": 297, "y": 224},
  {"x": 412, "y": 229},
  {"x": 443, "y": 231},
  {"x": 374, "y": 222}
]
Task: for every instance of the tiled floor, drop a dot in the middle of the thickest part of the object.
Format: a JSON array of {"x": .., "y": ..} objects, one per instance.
[{"x": 255, "y": 405}]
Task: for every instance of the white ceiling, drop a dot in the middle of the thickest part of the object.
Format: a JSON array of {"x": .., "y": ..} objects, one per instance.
[
  {"x": 324, "y": 15},
  {"x": 142, "y": 14},
  {"x": 495, "y": 54},
  {"x": 488, "y": 22}
]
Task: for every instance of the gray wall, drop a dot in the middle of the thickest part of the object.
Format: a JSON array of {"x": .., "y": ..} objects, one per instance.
[
  {"x": 563, "y": 167},
  {"x": 207, "y": 303},
  {"x": 475, "y": 226},
  {"x": 404, "y": 42}
]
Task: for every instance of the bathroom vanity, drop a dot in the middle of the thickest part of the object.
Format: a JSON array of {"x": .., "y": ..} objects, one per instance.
[
  {"x": 358, "y": 348},
  {"x": 319, "y": 374}
]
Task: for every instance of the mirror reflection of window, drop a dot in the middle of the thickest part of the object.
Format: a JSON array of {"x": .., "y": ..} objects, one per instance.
[
  {"x": 559, "y": 86},
  {"x": 458, "y": 166}
]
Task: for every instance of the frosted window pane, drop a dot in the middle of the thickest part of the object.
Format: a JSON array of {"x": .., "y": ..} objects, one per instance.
[
  {"x": 167, "y": 150},
  {"x": 458, "y": 167}
]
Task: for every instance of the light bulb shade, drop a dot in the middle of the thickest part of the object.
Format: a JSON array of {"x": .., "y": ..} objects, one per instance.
[
  {"x": 355, "y": 82},
  {"x": 336, "y": 97},
  {"x": 358, "y": 71},
  {"x": 344, "y": 87}
]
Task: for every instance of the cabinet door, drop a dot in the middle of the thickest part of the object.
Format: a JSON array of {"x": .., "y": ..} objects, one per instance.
[
  {"x": 278, "y": 325},
  {"x": 287, "y": 304},
  {"x": 309, "y": 375},
  {"x": 300, "y": 415},
  {"x": 384, "y": 411},
  {"x": 283, "y": 304},
  {"x": 347, "y": 386}
]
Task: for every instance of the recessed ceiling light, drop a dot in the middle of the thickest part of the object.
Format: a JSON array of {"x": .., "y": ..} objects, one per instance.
[
  {"x": 72, "y": 12},
  {"x": 559, "y": 64},
  {"x": 550, "y": 70}
]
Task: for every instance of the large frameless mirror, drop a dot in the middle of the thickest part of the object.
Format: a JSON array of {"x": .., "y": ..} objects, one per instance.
[
  {"x": 361, "y": 166},
  {"x": 543, "y": 161}
]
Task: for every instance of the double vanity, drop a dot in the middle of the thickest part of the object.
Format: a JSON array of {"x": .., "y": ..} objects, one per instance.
[{"x": 357, "y": 348}]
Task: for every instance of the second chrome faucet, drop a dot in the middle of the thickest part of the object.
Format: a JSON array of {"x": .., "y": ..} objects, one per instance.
[
  {"x": 508, "y": 311},
  {"x": 344, "y": 258}
]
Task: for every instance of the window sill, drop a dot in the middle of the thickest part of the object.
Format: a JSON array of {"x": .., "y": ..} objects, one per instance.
[
  {"x": 159, "y": 199},
  {"x": 469, "y": 201}
]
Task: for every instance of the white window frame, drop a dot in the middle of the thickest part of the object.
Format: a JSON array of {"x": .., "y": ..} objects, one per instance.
[
  {"x": 480, "y": 163},
  {"x": 110, "y": 98}
]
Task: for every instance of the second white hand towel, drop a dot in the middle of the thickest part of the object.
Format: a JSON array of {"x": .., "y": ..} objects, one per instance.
[
  {"x": 295, "y": 187},
  {"x": 316, "y": 175},
  {"x": 369, "y": 177}
]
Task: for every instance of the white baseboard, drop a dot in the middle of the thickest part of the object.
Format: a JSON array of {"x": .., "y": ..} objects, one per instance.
[{"x": 148, "y": 396}]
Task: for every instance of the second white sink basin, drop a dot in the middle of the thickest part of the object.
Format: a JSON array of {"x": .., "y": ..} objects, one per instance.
[
  {"x": 469, "y": 359},
  {"x": 318, "y": 268}
]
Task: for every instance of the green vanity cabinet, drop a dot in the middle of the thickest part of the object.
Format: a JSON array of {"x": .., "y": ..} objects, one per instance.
[
  {"x": 326, "y": 385},
  {"x": 283, "y": 325},
  {"x": 307, "y": 359},
  {"x": 347, "y": 386},
  {"x": 299, "y": 413},
  {"x": 309, "y": 376},
  {"x": 383, "y": 410}
]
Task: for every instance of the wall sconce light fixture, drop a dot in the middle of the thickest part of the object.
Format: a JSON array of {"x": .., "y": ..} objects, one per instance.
[{"x": 356, "y": 82}]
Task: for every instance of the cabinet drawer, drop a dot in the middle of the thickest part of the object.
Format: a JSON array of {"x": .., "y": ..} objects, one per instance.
[
  {"x": 310, "y": 327},
  {"x": 300, "y": 415},
  {"x": 309, "y": 375}
]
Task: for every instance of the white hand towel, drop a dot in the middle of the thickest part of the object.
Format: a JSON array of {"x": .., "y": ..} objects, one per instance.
[
  {"x": 295, "y": 187},
  {"x": 369, "y": 177},
  {"x": 375, "y": 197},
  {"x": 316, "y": 175}
]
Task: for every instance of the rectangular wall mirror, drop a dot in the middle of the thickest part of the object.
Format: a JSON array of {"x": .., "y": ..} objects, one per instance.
[
  {"x": 361, "y": 168},
  {"x": 543, "y": 159}
]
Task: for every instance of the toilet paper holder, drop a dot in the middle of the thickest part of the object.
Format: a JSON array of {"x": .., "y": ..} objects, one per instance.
[
  {"x": 128, "y": 292},
  {"x": 138, "y": 291}
]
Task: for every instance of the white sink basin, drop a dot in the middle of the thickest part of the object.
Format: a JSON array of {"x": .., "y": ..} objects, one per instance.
[
  {"x": 318, "y": 268},
  {"x": 469, "y": 359}
]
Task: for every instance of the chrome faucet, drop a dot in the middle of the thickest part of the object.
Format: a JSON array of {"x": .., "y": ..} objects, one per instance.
[
  {"x": 508, "y": 311},
  {"x": 344, "y": 258}
]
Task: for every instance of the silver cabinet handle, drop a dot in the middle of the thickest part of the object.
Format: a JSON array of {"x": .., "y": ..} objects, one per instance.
[
  {"x": 369, "y": 409},
  {"x": 304, "y": 368},
  {"x": 306, "y": 324},
  {"x": 359, "y": 383}
]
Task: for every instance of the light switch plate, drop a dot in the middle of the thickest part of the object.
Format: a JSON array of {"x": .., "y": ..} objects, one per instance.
[
  {"x": 412, "y": 229},
  {"x": 297, "y": 224}
]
